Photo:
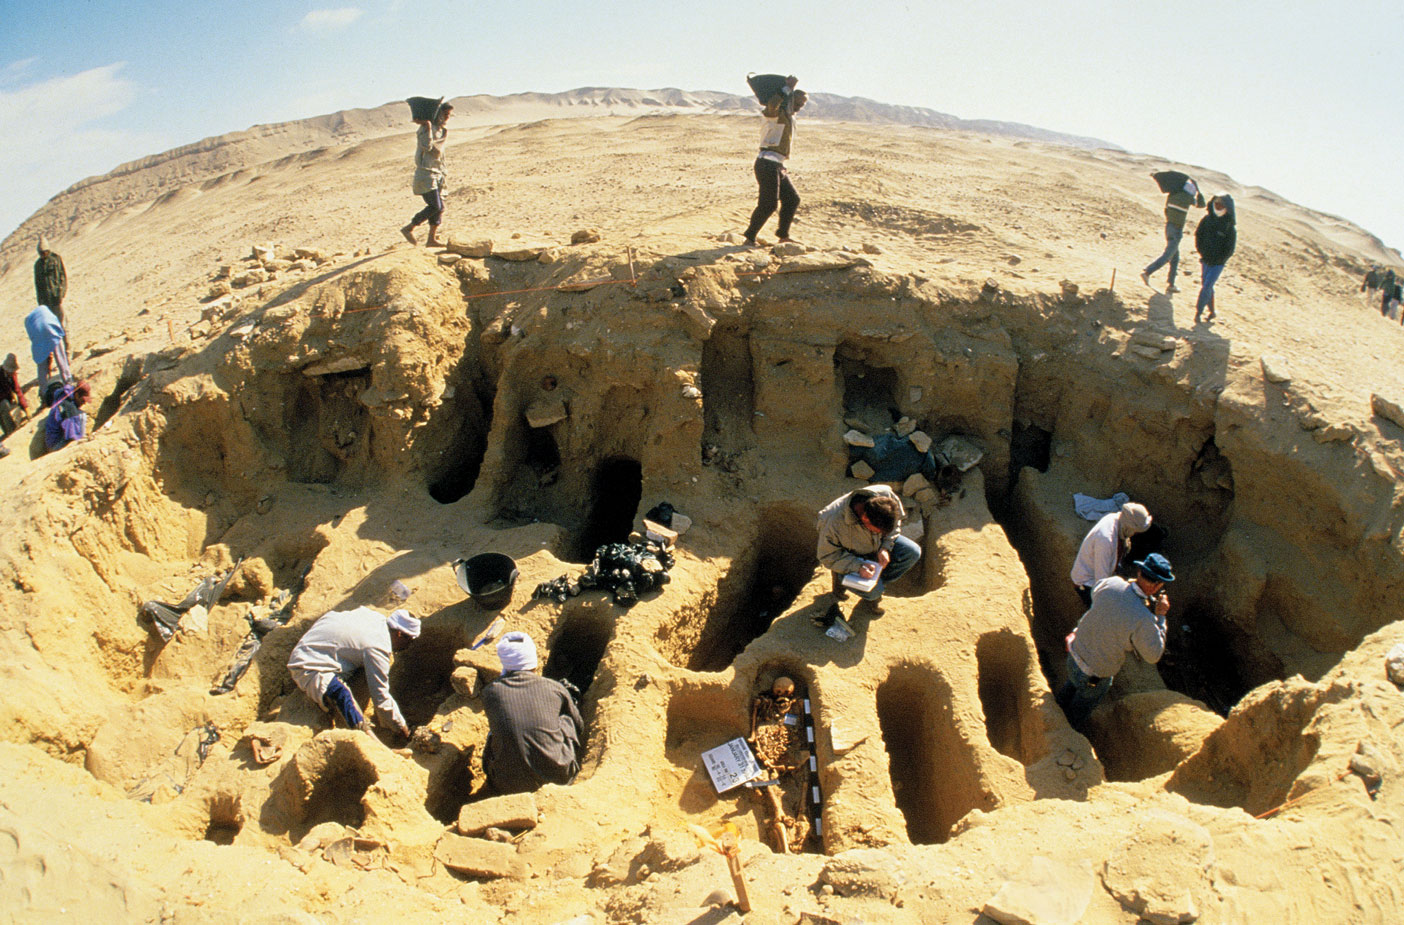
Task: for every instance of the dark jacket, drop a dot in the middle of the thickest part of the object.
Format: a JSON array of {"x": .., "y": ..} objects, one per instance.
[
  {"x": 1216, "y": 236},
  {"x": 534, "y": 733},
  {"x": 50, "y": 280}
]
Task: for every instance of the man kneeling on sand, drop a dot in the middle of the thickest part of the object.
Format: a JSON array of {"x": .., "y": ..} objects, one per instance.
[
  {"x": 860, "y": 535},
  {"x": 342, "y": 641},
  {"x": 534, "y": 728}
]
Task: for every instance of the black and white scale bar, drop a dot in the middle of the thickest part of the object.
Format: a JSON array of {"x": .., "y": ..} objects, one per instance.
[{"x": 816, "y": 796}]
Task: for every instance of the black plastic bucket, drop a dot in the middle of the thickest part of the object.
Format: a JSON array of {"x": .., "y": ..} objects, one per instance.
[
  {"x": 488, "y": 579},
  {"x": 423, "y": 108}
]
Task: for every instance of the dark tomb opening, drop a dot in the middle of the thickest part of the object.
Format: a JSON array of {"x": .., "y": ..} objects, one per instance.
[
  {"x": 868, "y": 391},
  {"x": 450, "y": 783},
  {"x": 419, "y": 675},
  {"x": 226, "y": 819},
  {"x": 336, "y": 795},
  {"x": 1031, "y": 446},
  {"x": 325, "y": 426},
  {"x": 615, "y": 494},
  {"x": 728, "y": 388},
  {"x": 1200, "y": 659}
]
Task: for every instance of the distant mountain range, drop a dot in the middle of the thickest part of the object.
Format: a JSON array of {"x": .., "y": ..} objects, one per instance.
[{"x": 143, "y": 180}]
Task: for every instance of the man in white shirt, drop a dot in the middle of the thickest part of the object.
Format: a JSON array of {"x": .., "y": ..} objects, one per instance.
[
  {"x": 342, "y": 641},
  {"x": 777, "y": 132},
  {"x": 1104, "y": 547}
]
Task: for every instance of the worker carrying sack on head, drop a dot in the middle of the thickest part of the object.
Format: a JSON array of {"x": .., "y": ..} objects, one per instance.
[{"x": 781, "y": 101}]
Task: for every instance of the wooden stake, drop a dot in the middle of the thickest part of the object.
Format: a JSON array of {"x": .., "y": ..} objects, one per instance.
[
  {"x": 738, "y": 878},
  {"x": 1113, "y": 282},
  {"x": 170, "y": 329},
  {"x": 633, "y": 277}
]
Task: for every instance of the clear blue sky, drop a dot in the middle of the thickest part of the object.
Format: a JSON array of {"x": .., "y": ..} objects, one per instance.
[{"x": 1300, "y": 97}]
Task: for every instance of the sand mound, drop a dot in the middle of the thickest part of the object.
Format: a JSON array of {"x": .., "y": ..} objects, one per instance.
[{"x": 336, "y": 423}]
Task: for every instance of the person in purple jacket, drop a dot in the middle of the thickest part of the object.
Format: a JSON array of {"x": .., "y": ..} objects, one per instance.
[{"x": 66, "y": 421}]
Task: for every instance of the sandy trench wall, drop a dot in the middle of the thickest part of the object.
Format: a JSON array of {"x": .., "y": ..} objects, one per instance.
[{"x": 1004, "y": 733}]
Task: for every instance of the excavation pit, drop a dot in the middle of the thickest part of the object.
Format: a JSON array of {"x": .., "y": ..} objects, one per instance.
[
  {"x": 758, "y": 587},
  {"x": 579, "y": 643},
  {"x": 325, "y": 433},
  {"x": 419, "y": 675},
  {"x": 728, "y": 388},
  {"x": 226, "y": 819},
  {"x": 1012, "y": 722},
  {"x": 334, "y": 780},
  {"x": 450, "y": 783},
  {"x": 935, "y": 781}
]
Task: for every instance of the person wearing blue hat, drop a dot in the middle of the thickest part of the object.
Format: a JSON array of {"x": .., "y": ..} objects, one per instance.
[{"x": 1125, "y": 616}]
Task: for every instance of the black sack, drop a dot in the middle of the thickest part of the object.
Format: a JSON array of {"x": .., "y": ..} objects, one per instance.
[
  {"x": 423, "y": 109},
  {"x": 764, "y": 86},
  {"x": 1171, "y": 181}
]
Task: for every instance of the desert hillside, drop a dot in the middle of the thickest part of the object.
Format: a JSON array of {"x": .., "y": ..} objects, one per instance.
[{"x": 291, "y": 395}]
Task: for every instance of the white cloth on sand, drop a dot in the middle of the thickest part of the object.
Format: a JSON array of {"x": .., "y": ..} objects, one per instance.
[{"x": 1090, "y": 508}]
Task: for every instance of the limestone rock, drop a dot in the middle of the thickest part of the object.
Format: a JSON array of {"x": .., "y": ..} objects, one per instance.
[
  {"x": 276, "y": 265},
  {"x": 1394, "y": 664},
  {"x": 262, "y": 252},
  {"x": 856, "y": 437},
  {"x": 218, "y": 290},
  {"x": 521, "y": 253},
  {"x": 585, "y": 236},
  {"x": 914, "y": 484},
  {"x": 1157, "y": 870},
  {"x": 1387, "y": 409},
  {"x": 920, "y": 440},
  {"x": 546, "y": 411},
  {"x": 482, "y": 247},
  {"x": 788, "y": 249},
  {"x": 549, "y": 255},
  {"x": 1048, "y": 892},
  {"x": 514, "y": 811},
  {"x": 1275, "y": 369},
  {"x": 904, "y": 428},
  {"x": 961, "y": 452},
  {"x": 478, "y": 857},
  {"x": 861, "y": 470},
  {"x": 1332, "y": 433},
  {"x": 810, "y": 263},
  {"x": 310, "y": 253},
  {"x": 449, "y": 259},
  {"x": 871, "y": 249},
  {"x": 1147, "y": 351},
  {"x": 862, "y": 872}
]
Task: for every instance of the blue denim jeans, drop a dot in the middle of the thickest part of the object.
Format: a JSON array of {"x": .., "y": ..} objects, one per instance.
[
  {"x": 344, "y": 703},
  {"x": 905, "y": 554},
  {"x": 1079, "y": 696},
  {"x": 1208, "y": 277},
  {"x": 1173, "y": 234}
]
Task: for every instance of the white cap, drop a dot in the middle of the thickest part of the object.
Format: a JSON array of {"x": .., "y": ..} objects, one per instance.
[
  {"x": 402, "y": 621},
  {"x": 517, "y": 652}
]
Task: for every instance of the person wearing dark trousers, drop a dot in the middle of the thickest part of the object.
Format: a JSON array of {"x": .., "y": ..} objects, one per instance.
[
  {"x": 1215, "y": 237},
  {"x": 1387, "y": 280},
  {"x": 429, "y": 176},
  {"x": 1181, "y": 192},
  {"x": 777, "y": 133},
  {"x": 51, "y": 283}
]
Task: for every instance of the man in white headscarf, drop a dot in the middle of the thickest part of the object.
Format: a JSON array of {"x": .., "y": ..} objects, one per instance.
[
  {"x": 341, "y": 642},
  {"x": 534, "y": 728},
  {"x": 1105, "y": 545}
]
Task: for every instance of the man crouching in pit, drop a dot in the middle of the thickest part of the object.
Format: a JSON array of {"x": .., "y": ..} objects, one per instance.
[
  {"x": 342, "y": 641},
  {"x": 534, "y": 728},
  {"x": 860, "y": 534}
]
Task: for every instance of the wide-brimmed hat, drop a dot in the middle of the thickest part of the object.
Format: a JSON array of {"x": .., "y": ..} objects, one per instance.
[
  {"x": 402, "y": 621},
  {"x": 1156, "y": 567}
]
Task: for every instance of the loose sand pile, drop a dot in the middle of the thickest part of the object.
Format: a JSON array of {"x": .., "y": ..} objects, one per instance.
[{"x": 341, "y": 411}]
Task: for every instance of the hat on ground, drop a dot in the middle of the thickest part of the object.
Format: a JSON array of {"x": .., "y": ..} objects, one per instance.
[
  {"x": 1136, "y": 517},
  {"x": 517, "y": 652},
  {"x": 1157, "y": 567},
  {"x": 402, "y": 621}
]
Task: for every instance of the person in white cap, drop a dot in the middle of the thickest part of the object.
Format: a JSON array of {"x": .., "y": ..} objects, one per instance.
[
  {"x": 342, "y": 641},
  {"x": 1105, "y": 545},
  {"x": 534, "y": 728}
]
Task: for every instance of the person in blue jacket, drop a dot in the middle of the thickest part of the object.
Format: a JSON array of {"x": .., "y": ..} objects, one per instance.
[
  {"x": 1215, "y": 238},
  {"x": 66, "y": 421}
]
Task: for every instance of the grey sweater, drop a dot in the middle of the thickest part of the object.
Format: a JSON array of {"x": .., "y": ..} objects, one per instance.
[
  {"x": 843, "y": 540},
  {"x": 534, "y": 733},
  {"x": 1117, "y": 623}
]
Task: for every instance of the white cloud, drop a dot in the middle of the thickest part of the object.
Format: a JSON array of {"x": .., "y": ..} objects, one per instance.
[
  {"x": 16, "y": 69},
  {"x": 320, "y": 20},
  {"x": 51, "y": 141}
]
